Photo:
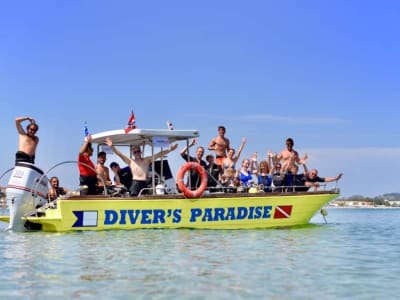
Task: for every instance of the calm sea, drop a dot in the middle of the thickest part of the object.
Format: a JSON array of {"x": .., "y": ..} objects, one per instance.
[{"x": 356, "y": 255}]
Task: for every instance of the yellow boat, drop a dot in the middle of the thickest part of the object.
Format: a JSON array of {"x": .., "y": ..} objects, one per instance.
[
  {"x": 162, "y": 207},
  {"x": 222, "y": 211}
]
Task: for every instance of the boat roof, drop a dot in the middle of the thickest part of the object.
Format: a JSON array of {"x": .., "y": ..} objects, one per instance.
[{"x": 140, "y": 136}]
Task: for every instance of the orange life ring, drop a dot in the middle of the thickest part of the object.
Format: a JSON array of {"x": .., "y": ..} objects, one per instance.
[{"x": 203, "y": 176}]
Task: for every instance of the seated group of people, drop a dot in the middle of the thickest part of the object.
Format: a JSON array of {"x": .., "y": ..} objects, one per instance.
[{"x": 282, "y": 178}]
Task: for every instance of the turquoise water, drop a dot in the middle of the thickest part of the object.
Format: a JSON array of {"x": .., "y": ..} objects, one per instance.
[{"x": 354, "y": 256}]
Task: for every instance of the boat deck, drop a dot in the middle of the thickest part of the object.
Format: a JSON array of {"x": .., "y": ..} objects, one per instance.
[{"x": 204, "y": 196}]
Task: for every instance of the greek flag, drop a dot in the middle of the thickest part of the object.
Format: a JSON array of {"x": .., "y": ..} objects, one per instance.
[{"x": 86, "y": 130}]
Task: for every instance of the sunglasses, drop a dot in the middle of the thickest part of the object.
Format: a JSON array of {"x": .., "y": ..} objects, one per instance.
[{"x": 136, "y": 152}]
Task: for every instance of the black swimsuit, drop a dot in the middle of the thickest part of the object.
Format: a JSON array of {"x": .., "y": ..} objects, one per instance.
[{"x": 22, "y": 156}]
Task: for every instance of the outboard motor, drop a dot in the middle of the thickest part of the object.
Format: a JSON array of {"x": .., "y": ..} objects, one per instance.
[{"x": 26, "y": 190}]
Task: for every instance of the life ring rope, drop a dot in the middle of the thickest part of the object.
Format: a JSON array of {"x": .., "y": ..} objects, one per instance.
[{"x": 195, "y": 166}]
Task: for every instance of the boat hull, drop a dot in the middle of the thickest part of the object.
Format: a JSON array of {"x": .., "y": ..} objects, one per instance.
[{"x": 234, "y": 211}]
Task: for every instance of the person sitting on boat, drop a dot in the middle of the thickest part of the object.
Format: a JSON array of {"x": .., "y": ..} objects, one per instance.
[
  {"x": 313, "y": 179},
  {"x": 219, "y": 144},
  {"x": 103, "y": 173},
  {"x": 214, "y": 172},
  {"x": 194, "y": 176},
  {"x": 246, "y": 172},
  {"x": 28, "y": 141},
  {"x": 278, "y": 178},
  {"x": 55, "y": 190},
  {"x": 229, "y": 177},
  {"x": 297, "y": 182},
  {"x": 264, "y": 178},
  {"x": 139, "y": 165},
  {"x": 122, "y": 176},
  {"x": 229, "y": 163},
  {"x": 294, "y": 179},
  {"x": 87, "y": 170}
]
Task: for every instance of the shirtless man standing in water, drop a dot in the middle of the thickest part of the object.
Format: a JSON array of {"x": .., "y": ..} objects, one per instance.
[
  {"x": 28, "y": 141},
  {"x": 220, "y": 144}
]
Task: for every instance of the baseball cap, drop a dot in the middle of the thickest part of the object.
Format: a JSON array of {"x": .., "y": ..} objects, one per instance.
[{"x": 113, "y": 164}]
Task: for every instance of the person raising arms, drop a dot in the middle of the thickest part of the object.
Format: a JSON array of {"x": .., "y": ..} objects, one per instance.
[
  {"x": 264, "y": 174},
  {"x": 139, "y": 165},
  {"x": 289, "y": 156},
  {"x": 195, "y": 180},
  {"x": 28, "y": 141},
  {"x": 313, "y": 180},
  {"x": 220, "y": 144},
  {"x": 229, "y": 163},
  {"x": 87, "y": 169}
]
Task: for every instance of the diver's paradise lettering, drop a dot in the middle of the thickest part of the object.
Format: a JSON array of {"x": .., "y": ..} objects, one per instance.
[
  {"x": 161, "y": 216},
  {"x": 144, "y": 216},
  {"x": 230, "y": 213}
]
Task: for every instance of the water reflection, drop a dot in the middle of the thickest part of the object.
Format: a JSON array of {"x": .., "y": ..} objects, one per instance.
[{"x": 336, "y": 260}]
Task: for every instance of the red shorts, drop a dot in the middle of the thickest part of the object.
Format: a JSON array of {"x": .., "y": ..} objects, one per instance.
[{"x": 219, "y": 160}]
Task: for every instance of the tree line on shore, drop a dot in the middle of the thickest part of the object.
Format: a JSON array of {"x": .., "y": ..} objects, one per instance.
[{"x": 378, "y": 200}]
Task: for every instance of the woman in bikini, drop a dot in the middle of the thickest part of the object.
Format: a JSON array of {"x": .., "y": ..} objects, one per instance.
[{"x": 229, "y": 163}]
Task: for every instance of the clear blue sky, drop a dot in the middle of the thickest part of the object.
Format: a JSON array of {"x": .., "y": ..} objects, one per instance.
[{"x": 326, "y": 73}]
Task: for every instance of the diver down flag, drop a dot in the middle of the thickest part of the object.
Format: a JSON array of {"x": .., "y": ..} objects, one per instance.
[
  {"x": 85, "y": 218},
  {"x": 131, "y": 123},
  {"x": 282, "y": 211}
]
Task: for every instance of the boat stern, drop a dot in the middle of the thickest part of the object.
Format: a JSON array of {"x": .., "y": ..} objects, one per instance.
[{"x": 26, "y": 190}]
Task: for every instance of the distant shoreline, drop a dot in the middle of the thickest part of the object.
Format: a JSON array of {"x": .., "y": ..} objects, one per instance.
[{"x": 362, "y": 206}]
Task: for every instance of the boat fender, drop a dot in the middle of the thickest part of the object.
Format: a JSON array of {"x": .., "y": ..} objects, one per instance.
[{"x": 203, "y": 177}]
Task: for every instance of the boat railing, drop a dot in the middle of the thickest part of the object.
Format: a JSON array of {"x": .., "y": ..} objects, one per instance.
[
  {"x": 62, "y": 163},
  {"x": 3, "y": 194},
  {"x": 270, "y": 189},
  {"x": 144, "y": 190},
  {"x": 5, "y": 173}
]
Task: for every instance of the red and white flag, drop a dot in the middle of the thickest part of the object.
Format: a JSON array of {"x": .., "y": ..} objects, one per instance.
[
  {"x": 131, "y": 123},
  {"x": 283, "y": 211}
]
